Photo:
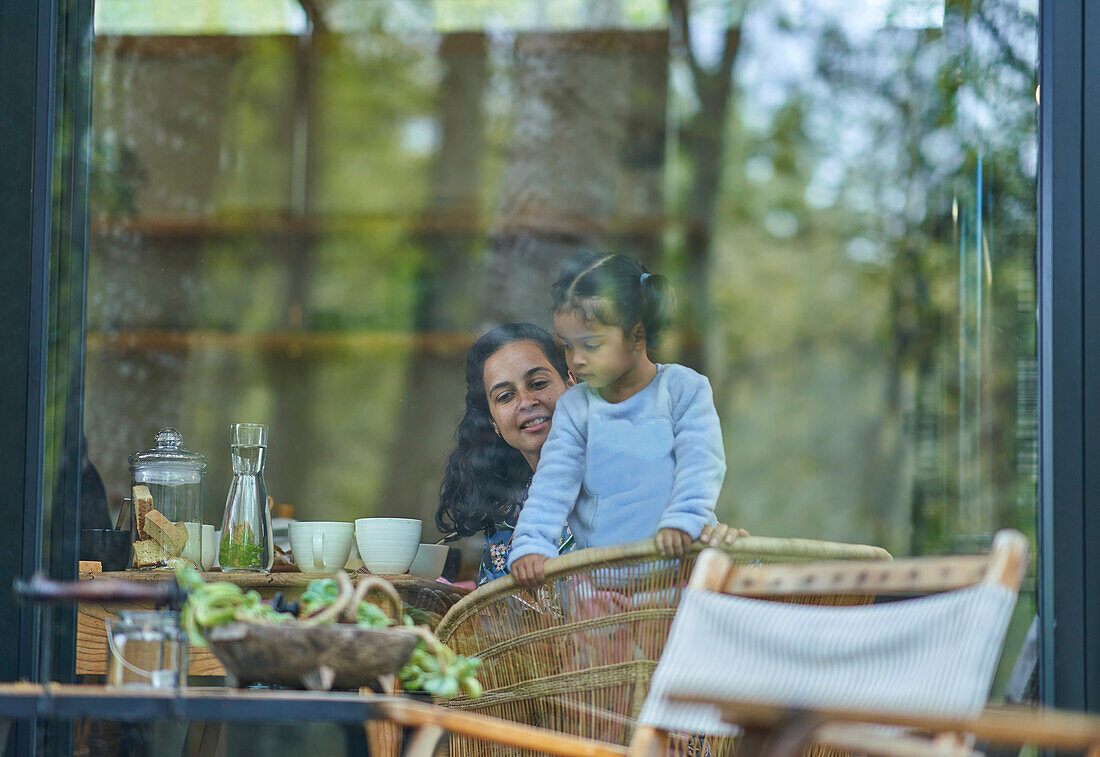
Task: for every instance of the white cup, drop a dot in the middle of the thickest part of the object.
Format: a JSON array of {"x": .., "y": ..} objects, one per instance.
[
  {"x": 209, "y": 550},
  {"x": 387, "y": 545},
  {"x": 321, "y": 546},
  {"x": 192, "y": 549},
  {"x": 429, "y": 561}
]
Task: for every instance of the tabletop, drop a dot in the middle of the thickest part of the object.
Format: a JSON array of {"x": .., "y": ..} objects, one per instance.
[{"x": 20, "y": 701}]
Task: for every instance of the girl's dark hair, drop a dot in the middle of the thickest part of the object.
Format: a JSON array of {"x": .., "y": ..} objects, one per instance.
[
  {"x": 485, "y": 477},
  {"x": 615, "y": 290}
]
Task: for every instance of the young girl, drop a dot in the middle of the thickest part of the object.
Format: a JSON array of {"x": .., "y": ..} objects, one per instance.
[{"x": 635, "y": 449}]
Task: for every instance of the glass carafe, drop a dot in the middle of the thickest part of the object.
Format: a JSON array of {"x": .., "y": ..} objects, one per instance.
[{"x": 246, "y": 543}]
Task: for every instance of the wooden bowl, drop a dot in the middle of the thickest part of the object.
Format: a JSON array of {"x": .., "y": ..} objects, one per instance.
[{"x": 319, "y": 658}]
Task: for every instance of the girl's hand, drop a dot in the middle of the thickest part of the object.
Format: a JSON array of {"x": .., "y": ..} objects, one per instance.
[
  {"x": 719, "y": 534},
  {"x": 528, "y": 571},
  {"x": 672, "y": 542}
]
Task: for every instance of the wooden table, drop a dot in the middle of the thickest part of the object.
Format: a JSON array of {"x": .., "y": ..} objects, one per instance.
[
  {"x": 427, "y": 602},
  {"x": 26, "y": 701}
]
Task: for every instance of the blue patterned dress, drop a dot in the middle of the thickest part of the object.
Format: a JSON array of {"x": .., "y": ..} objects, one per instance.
[{"x": 498, "y": 544}]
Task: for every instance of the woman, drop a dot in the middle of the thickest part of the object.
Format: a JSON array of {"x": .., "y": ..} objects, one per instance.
[{"x": 514, "y": 377}]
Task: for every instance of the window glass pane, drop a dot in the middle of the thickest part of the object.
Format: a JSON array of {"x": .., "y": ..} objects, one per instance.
[
  {"x": 71, "y": 495},
  {"x": 304, "y": 216}
]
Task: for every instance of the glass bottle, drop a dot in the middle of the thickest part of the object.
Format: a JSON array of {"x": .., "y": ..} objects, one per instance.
[{"x": 246, "y": 543}]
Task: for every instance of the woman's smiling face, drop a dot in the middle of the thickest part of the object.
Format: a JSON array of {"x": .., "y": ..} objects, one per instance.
[{"x": 522, "y": 388}]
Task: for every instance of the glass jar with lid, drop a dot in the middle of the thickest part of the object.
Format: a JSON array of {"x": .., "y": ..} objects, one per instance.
[{"x": 166, "y": 492}]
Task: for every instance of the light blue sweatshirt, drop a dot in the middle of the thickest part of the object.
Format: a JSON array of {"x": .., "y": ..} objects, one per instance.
[{"x": 620, "y": 472}]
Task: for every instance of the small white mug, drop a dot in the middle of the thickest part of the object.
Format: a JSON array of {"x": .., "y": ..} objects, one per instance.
[
  {"x": 209, "y": 547},
  {"x": 321, "y": 546}
]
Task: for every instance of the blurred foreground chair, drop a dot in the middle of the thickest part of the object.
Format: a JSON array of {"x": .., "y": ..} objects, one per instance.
[
  {"x": 793, "y": 675},
  {"x": 576, "y": 657}
]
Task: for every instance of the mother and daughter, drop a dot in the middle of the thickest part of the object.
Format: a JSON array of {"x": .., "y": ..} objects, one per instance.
[{"x": 620, "y": 448}]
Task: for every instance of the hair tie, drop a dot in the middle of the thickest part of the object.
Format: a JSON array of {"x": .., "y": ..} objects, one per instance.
[{"x": 644, "y": 277}]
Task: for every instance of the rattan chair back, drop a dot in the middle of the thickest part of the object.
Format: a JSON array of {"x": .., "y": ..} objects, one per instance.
[{"x": 576, "y": 656}]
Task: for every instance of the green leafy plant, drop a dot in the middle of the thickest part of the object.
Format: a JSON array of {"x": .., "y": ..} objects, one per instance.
[
  {"x": 219, "y": 603},
  {"x": 240, "y": 548},
  {"x": 433, "y": 667},
  {"x": 436, "y": 669}
]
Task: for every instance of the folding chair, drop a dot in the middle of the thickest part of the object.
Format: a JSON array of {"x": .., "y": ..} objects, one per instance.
[{"x": 793, "y": 674}]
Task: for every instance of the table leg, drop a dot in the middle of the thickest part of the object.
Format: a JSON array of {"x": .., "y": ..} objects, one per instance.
[
  {"x": 5, "y": 729},
  {"x": 788, "y": 739},
  {"x": 205, "y": 739},
  {"x": 424, "y": 741},
  {"x": 383, "y": 736}
]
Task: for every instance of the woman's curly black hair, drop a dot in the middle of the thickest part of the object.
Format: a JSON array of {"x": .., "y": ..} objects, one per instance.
[{"x": 485, "y": 477}]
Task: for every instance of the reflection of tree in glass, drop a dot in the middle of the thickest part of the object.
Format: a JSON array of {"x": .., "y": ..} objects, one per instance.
[
  {"x": 863, "y": 153},
  {"x": 115, "y": 176}
]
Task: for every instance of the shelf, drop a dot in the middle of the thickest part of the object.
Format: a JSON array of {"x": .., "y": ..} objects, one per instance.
[
  {"x": 293, "y": 343},
  {"x": 458, "y": 221},
  {"x": 266, "y": 580}
]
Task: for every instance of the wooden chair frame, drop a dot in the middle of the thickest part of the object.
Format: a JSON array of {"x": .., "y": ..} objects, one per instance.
[
  {"x": 432, "y": 722},
  {"x": 842, "y": 729},
  {"x": 1005, "y": 564}
]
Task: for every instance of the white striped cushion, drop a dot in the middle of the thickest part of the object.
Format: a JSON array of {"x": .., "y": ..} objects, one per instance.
[{"x": 932, "y": 655}]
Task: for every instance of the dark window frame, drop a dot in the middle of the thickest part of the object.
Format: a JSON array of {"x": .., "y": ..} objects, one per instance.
[
  {"x": 43, "y": 276},
  {"x": 26, "y": 129},
  {"x": 1069, "y": 354}
]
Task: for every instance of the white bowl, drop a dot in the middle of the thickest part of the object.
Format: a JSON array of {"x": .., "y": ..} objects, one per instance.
[
  {"x": 429, "y": 561},
  {"x": 387, "y": 545}
]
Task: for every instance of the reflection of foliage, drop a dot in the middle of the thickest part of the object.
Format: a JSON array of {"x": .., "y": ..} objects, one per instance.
[
  {"x": 66, "y": 267},
  {"x": 873, "y": 278},
  {"x": 894, "y": 345},
  {"x": 116, "y": 176},
  {"x": 966, "y": 196}
]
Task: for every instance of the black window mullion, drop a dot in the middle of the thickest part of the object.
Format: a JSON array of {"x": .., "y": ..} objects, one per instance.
[{"x": 1069, "y": 317}]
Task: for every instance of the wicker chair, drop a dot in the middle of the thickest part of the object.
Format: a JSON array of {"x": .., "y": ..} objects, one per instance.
[{"x": 576, "y": 657}]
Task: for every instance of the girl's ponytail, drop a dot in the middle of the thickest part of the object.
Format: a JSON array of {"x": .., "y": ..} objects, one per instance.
[
  {"x": 615, "y": 290},
  {"x": 658, "y": 305}
]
